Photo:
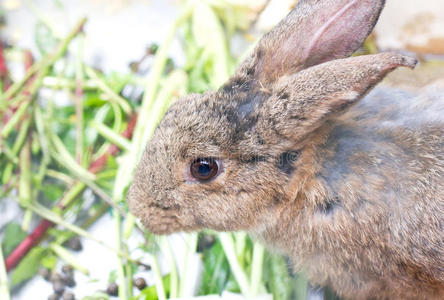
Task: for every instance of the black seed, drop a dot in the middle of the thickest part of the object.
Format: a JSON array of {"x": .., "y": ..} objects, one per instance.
[
  {"x": 67, "y": 270},
  {"x": 45, "y": 273},
  {"x": 55, "y": 277},
  {"x": 54, "y": 297},
  {"x": 74, "y": 244},
  {"x": 58, "y": 286},
  {"x": 68, "y": 296},
  {"x": 140, "y": 283},
  {"x": 112, "y": 289},
  {"x": 69, "y": 281}
]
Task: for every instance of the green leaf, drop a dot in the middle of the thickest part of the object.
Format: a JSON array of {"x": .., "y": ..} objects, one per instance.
[
  {"x": 216, "y": 270},
  {"x": 52, "y": 192},
  {"x": 14, "y": 235},
  {"x": 29, "y": 266},
  {"x": 93, "y": 100},
  {"x": 232, "y": 285},
  {"x": 49, "y": 262},
  {"x": 150, "y": 293},
  {"x": 97, "y": 296},
  {"x": 117, "y": 81},
  {"x": 279, "y": 282},
  {"x": 112, "y": 277}
]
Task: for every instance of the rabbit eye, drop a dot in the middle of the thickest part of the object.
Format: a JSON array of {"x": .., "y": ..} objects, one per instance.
[{"x": 204, "y": 169}]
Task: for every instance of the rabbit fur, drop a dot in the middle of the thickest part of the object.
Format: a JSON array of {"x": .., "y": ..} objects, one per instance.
[{"x": 346, "y": 180}]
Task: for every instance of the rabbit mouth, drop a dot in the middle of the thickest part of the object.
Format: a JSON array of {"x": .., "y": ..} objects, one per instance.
[{"x": 164, "y": 220}]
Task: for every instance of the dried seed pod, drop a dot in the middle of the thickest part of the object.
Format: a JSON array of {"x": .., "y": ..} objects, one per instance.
[
  {"x": 55, "y": 277},
  {"x": 59, "y": 287},
  {"x": 74, "y": 244},
  {"x": 69, "y": 280},
  {"x": 112, "y": 289},
  {"x": 54, "y": 297},
  {"x": 68, "y": 296},
  {"x": 67, "y": 270},
  {"x": 45, "y": 273},
  {"x": 140, "y": 283}
]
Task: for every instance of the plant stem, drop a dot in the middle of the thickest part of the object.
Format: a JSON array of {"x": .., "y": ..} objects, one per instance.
[
  {"x": 39, "y": 232},
  {"x": 17, "y": 86},
  {"x": 29, "y": 95},
  {"x": 56, "y": 219},
  {"x": 154, "y": 80},
  {"x": 111, "y": 135},
  {"x": 49, "y": 60},
  {"x": 21, "y": 136},
  {"x": 59, "y": 176},
  {"x": 4, "y": 290},
  {"x": 157, "y": 278},
  {"x": 27, "y": 244},
  {"x": 25, "y": 183},
  {"x": 64, "y": 158},
  {"x": 78, "y": 96},
  {"x": 226, "y": 240},
  {"x": 60, "y": 239},
  {"x": 56, "y": 83},
  {"x": 68, "y": 257},
  {"x": 39, "y": 124},
  {"x": 240, "y": 240},
  {"x": 113, "y": 96},
  {"x": 190, "y": 249},
  {"x": 15, "y": 119},
  {"x": 113, "y": 149},
  {"x": 256, "y": 268},
  {"x": 166, "y": 248},
  {"x": 3, "y": 70},
  {"x": 123, "y": 291}
]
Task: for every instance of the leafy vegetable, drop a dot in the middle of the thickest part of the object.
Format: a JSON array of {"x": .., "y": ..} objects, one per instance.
[
  {"x": 13, "y": 235},
  {"x": 216, "y": 270},
  {"x": 29, "y": 266}
]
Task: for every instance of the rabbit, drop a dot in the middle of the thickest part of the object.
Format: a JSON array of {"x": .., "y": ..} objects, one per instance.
[{"x": 300, "y": 151}]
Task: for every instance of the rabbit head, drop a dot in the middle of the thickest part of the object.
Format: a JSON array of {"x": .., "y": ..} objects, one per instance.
[{"x": 221, "y": 160}]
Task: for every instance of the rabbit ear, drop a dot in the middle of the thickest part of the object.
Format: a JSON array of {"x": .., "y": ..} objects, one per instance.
[
  {"x": 314, "y": 32},
  {"x": 300, "y": 103}
]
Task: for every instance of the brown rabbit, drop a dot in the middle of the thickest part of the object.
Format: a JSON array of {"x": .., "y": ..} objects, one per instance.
[{"x": 351, "y": 188}]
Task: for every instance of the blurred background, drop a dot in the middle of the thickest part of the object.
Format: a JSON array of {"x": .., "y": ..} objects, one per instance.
[{"x": 83, "y": 85}]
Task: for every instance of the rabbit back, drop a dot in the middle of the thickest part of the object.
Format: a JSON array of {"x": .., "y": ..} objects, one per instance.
[{"x": 378, "y": 192}]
